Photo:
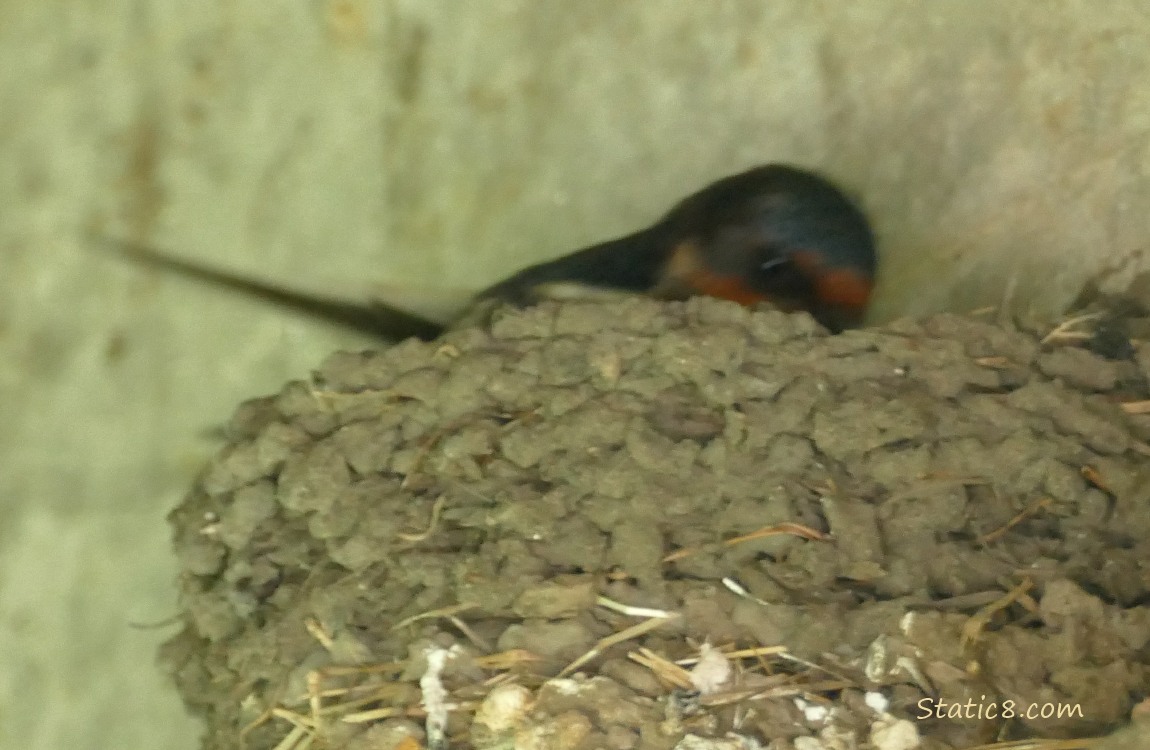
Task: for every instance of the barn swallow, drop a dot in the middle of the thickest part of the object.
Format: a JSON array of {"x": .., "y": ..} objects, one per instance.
[{"x": 773, "y": 234}]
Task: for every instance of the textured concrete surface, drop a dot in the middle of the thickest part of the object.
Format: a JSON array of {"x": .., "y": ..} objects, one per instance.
[{"x": 1001, "y": 148}]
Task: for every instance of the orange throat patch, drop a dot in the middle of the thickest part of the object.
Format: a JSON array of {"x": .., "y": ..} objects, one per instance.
[
  {"x": 844, "y": 288},
  {"x": 686, "y": 272},
  {"x": 835, "y": 288}
]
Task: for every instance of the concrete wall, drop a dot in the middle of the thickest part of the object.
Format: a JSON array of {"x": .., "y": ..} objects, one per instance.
[{"x": 1001, "y": 149}]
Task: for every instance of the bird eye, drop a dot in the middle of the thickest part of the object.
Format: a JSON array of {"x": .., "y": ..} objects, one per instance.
[{"x": 772, "y": 264}]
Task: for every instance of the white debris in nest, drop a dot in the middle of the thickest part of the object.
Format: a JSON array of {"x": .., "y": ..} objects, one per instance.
[
  {"x": 808, "y": 743},
  {"x": 889, "y": 733},
  {"x": 876, "y": 701},
  {"x": 875, "y": 666},
  {"x": 814, "y": 713},
  {"x": 504, "y": 707},
  {"x": 435, "y": 695},
  {"x": 565, "y": 686},
  {"x": 712, "y": 671},
  {"x": 731, "y": 741},
  {"x": 838, "y": 738},
  {"x": 906, "y": 623}
]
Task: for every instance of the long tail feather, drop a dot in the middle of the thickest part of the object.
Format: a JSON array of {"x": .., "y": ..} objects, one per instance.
[{"x": 377, "y": 317}]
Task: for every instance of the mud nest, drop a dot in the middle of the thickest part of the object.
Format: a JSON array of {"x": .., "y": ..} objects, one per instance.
[{"x": 622, "y": 524}]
